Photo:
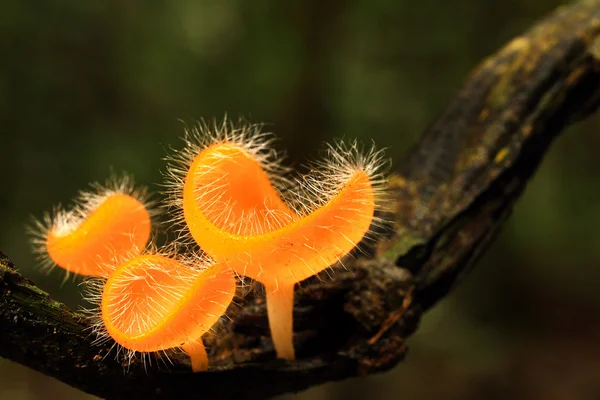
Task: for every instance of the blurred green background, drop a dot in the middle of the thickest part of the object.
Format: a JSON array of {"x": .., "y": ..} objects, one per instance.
[{"x": 90, "y": 87}]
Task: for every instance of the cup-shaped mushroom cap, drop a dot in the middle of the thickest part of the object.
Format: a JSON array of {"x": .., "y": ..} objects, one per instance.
[
  {"x": 278, "y": 245},
  {"x": 108, "y": 223},
  {"x": 154, "y": 302},
  {"x": 120, "y": 225}
]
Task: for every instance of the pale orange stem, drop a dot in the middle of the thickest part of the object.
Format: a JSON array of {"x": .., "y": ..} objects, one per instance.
[
  {"x": 198, "y": 355},
  {"x": 280, "y": 310}
]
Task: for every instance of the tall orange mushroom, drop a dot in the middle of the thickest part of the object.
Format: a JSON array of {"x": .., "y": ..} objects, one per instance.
[{"x": 236, "y": 215}]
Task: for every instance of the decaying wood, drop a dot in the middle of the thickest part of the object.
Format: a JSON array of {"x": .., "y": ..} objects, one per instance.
[{"x": 452, "y": 194}]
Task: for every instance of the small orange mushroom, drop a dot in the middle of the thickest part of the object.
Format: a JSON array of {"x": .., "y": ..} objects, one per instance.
[
  {"x": 156, "y": 302},
  {"x": 236, "y": 216},
  {"x": 111, "y": 222}
]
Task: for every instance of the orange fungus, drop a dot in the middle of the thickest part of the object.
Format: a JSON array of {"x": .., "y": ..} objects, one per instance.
[
  {"x": 237, "y": 216},
  {"x": 107, "y": 225},
  {"x": 155, "y": 302}
]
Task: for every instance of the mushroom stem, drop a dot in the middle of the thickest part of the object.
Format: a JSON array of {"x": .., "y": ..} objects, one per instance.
[
  {"x": 280, "y": 309},
  {"x": 197, "y": 353}
]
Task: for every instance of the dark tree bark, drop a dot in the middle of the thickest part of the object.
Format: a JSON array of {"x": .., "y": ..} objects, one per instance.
[{"x": 453, "y": 193}]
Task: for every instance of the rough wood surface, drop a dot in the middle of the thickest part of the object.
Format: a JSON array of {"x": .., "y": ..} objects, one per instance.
[{"x": 453, "y": 192}]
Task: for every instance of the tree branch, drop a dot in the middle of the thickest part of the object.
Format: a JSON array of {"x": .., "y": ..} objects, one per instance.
[{"x": 455, "y": 189}]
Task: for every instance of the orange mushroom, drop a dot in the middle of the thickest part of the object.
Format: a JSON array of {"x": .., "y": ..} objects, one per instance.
[
  {"x": 156, "y": 302},
  {"x": 107, "y": 223},
  {"x": 236, "y": 215}
]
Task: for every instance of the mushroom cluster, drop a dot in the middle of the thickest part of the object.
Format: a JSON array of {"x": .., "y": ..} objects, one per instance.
[{"x": 230, "y": 194}]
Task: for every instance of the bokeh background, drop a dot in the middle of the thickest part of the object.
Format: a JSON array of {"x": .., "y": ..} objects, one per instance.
[{"x": 90, "y": 87}]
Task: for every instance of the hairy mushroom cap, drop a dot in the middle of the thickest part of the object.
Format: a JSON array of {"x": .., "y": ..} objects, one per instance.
[
  {"x": 157, "y": 301},
  {"x": 108, "y": 222}
]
